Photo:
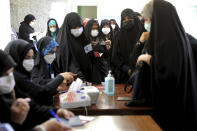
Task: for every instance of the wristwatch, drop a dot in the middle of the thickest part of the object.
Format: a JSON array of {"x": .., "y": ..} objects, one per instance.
[{"x": 40, "y": 128}]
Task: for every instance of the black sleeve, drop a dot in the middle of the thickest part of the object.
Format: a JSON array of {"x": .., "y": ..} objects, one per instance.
[
  {"x": 102, "y": 49},
  {"x": 37, "y": 115},
  {"x": 74, "y": 68},
  {"x": 137, "y": 51},
  {"x": 55, "y": 68},
  {"x": 5, "y": 109},
  {"x": 37, "y": 92},
  {"x": 23, "y": 33},
  {"x": 55, "y": 82},
  {"x": 41, "y": 91},
  {"x": 5, "y": 105},
  {"x": 39, "y": 78},
  {"x": 117, "y": 59},
  {"x": 99, "y": 48},
  {"x": 31, "y": 130},
  {"x": 193, "y": 42}
]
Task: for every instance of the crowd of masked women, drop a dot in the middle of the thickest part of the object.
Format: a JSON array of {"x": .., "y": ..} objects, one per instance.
[{"x": 32, "y": 72}]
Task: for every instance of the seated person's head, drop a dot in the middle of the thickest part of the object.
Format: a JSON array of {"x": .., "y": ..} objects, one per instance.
[
  {"x": 47, "y": 49},
  {"x": 22, "y": 52},
  {"x": 147, "y": 14},
  {"x": 7, "y": 81}
]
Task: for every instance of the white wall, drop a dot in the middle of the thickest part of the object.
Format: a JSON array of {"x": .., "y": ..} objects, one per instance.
[
  {"x": 187, "y": 11},
  {"x": 113, "y": 9},
  {"x": 59, "y": 9},
  {"x": 41, "y": 9},
  {"x": 107, "y": 9},
  {"x": 5, "y": 33}
]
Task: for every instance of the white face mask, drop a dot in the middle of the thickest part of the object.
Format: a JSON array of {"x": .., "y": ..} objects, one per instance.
[
  {"x": 94, "y": 33},
  {"x": 105, "y": 31},
  {"x": 32, "y": 23},
  {"x": 49, "y": 58},
  {"x": 52, "y": 29},
  {"x": 147, "y": 26},
  {"x": 28, "y": 64},
  {"x": 77, "y": 32},
  {"x": 113, "y": 26},
  {"x": 7, "y": 84}
]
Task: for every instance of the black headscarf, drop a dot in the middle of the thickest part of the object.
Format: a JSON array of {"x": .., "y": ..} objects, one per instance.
[
  {"x": 88, "y": 29},
  {"x": 117, "y": 28},
  {"x": 6, "y": 62},
  {"x": 28, "y": 18},
  {"x": 99, "y": 64},
  {"x": 42, "y": 43},
  {"x": 48, "y": 30},
  {"x": 142, "y": 19},
  {"x": 25, "y": 29},
  {"x": 123, "y": 45},
  {"x": 18, "y": 50},
  {"x": 41, "y": 73},
  {"x": 103, "y": 23},
  {"x": 125, "y": 40},
  {"x": 129, "y": 38},
  {"x": 174, "y": 83},
  {"x": 71, "y": 55}
]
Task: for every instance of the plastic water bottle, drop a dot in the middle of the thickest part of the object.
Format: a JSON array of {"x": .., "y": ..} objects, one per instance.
[{"x": 109, "y": 84}]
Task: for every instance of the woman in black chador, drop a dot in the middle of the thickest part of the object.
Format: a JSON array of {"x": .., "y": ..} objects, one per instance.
[
  {"x": 100, "y": 51},
  {"x": 71, "y": 55},
  {"x": 123, "y": 44},
  {"x": 173, "y": 74}
]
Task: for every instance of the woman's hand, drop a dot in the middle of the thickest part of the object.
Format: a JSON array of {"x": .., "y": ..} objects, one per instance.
[
  {"x": 108, "y": 44},
  {"x": 64, "y": 113},
  {"x": 144, "y": 37},
  {"x": 145, "y": 57},
  {"x": 68, "y": 77},
  {"x": 63, "y": 86},
  {"x": 19, "y": 110},
  {"x": 52, "y": 125},
  {"x": 129, "y": 72}
]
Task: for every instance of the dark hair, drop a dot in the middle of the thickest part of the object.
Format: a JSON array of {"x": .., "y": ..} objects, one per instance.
[{"x": 28, "y": 18}]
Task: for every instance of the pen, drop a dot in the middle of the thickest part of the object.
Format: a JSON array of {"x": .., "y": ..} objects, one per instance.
[{"x": 54, "y": 115}]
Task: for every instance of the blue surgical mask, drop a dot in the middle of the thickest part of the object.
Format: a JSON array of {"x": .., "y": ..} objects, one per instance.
[{"x": 147, "y": 26}]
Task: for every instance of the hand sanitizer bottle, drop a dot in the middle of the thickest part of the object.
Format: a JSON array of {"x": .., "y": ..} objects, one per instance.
[{"x": 109, "y": 84}]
